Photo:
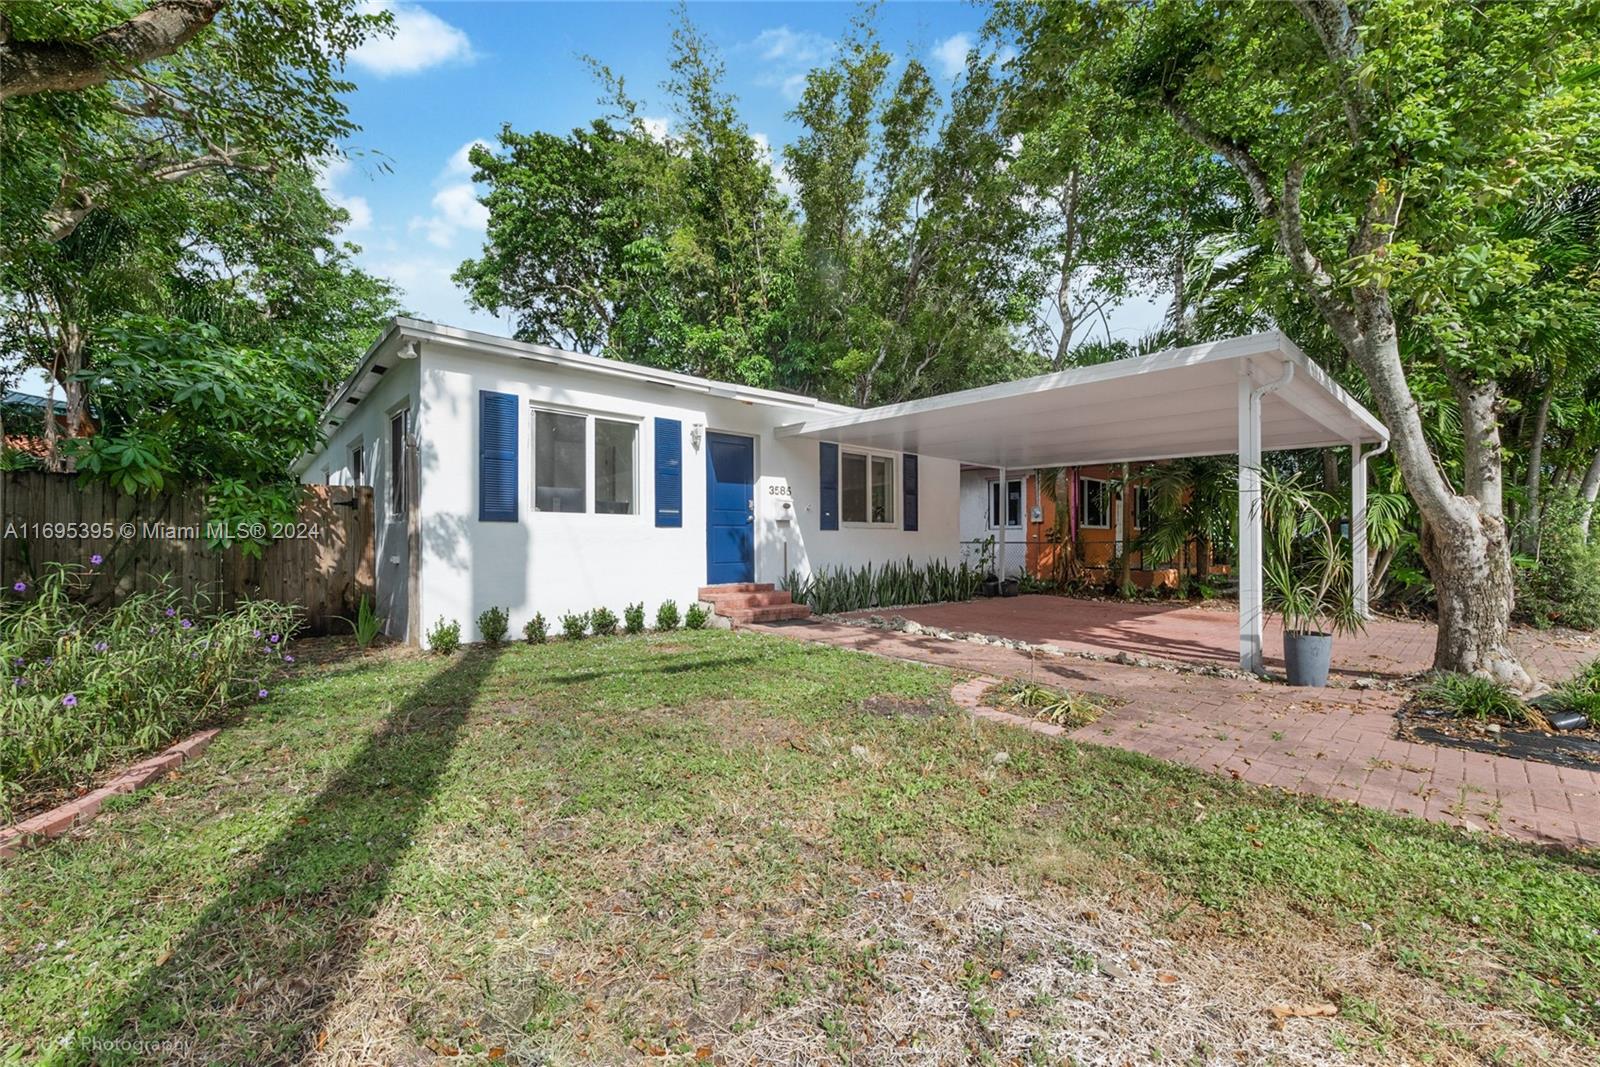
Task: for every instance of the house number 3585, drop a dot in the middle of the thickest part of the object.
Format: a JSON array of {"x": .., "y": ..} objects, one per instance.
[{"x": 778, "y": 490}]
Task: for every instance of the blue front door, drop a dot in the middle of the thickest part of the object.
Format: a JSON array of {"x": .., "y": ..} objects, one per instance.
[{"x": 730, "y": 509}]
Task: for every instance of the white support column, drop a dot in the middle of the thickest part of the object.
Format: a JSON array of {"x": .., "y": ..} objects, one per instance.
[
  {"x": 1005, "y": 532},
  {"x": 1360, "y": 576},
  {"x": 1250, "y": 577},
  {"x": 1358, "y": 530}
]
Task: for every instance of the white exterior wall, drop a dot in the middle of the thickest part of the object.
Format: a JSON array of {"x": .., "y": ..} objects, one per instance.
[
  {"x": 554, "y": 563},
  {"x": 975, "y": 520},
  {"x": 368, "y": 423}
]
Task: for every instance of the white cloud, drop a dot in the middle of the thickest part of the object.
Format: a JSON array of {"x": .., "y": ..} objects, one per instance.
[
  {"x": 656, "y": 126},
  {"x": 950, "y": 54},
  {"x": 780, "y": 172},
  {"x": 330, "y": 175},
  {"x": 456, "y": 210},
  {"x": 780, "y": 44},
  {"x": 421, "y": 40},
  {"x": 787, "y": 55}
]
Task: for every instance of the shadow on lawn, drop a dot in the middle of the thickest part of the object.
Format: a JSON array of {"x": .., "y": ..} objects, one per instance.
[{"x": 252, "y": 978}]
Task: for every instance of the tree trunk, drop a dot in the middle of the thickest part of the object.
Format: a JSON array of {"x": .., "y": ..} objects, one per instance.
[
  {"x": 1590, "y": 490},
  {"x": 1535, "y": 475},
  {"x": 1464, "y": 537},
  {"x": 1125, "y": 575}
]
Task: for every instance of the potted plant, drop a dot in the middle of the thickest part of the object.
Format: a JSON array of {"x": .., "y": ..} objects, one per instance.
[{"x": 1307, "y": 573}]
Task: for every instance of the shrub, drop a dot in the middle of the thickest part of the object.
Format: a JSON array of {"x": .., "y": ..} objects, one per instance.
[
  {"x": 1561, "y": 585},
  {"x": 493, "y": 624},
  {"x": 536, "y": 630},
  {"x": 445, "y": 637},
  {"x": 633, "y": 618},
  {"x": 573, "y": 626},
  {"x": 667, "y": 615},
  {"x": 696, "y": 617},
  {"x": 1468, "y": 696},
  {"x": 603, "y": 621},
  {"x": 84, "y": 689}
]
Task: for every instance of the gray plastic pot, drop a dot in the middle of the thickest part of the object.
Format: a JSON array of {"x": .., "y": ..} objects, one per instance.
[{"x": 1306, "y": 657}]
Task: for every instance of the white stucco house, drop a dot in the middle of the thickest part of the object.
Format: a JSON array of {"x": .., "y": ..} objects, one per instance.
[{"x": 521, "y": 476}]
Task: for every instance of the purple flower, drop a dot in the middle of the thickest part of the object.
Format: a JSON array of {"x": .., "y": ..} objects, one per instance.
[
  {"x": 100, "y": 646},
  {"x": 288, "y": 659},
  {"x": 171, "y": 612},
  {"x": 96, "y": 559},
  {"x": 19, "y": 661},
  {"x": 273, "y": 639},
  {"x": 262, "y": 694},
  {"x": 255, "y": 633},
  {"x": 20, "y": 587},
  {"x": 70, "y": 700},
  {"x": 49, "y": 660},
  {"x": 152, "y": 629},
  {"x": 187, "y": 624},
  {"x": 19, "y": 680}
]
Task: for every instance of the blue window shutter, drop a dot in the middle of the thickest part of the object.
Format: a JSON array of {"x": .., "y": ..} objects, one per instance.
[
  {"x": 829, "y": 481},
  {"x": 909, "y": 480},
  {"x": 669, "y": 472},
  {"x": 497, "y": 457}
]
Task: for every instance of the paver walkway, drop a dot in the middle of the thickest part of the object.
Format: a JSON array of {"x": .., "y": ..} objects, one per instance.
[
  {"x": 1391, "y": 648},
  {"x": 1334, "y": 743}
]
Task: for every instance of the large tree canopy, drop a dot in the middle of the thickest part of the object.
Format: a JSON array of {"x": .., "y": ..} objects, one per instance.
[{"x": 1378, "y": 146}]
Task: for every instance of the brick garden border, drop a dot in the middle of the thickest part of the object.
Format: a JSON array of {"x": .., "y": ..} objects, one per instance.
[{"x": 57, "y": 821}]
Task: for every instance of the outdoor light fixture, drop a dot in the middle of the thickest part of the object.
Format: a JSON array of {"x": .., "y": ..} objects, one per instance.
[
  {"x": 410, "y": 349},
  {"x": 695, "y": 433}
]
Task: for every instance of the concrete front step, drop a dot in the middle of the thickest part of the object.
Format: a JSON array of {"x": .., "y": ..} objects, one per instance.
[
  {"x": 775, "y": 613},
  {"x": 707, "y": 592},
  {"x": 734, "y": 601}
]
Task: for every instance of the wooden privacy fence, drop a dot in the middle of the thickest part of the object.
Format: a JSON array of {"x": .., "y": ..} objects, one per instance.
[{"x": 323, "y": 563}]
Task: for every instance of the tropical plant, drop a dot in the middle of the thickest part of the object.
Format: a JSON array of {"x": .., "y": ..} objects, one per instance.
[
  {"x": 367, "y": 625},
  {"x": 445, "y": 637},
  {"x": 1581, "y": 692},
  {"x": 493, "y": 623},
  {"x": 573, "y": 625},
  {"x": 667, "y": 615},
  {"x": 832, "y": 590},
  {"x": 633, "y": 618},
  {"x": 1471, "y": 696},
  {"x": 696, "y": 617},
  {"x": 1305, "y": 564},
  {"x": 1560, "y": 584},
  {"x": 536, "y": 630},
  {"x": 84, "y": 688}
]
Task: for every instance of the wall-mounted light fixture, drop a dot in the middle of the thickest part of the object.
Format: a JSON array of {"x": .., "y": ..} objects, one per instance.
[{"x": 409, "y": 348}]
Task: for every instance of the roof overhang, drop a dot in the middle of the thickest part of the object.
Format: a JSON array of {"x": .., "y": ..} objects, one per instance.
[{"x": 1181, "y": 402}]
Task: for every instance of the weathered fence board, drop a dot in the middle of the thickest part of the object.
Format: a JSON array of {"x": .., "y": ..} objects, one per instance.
[{"x": 323, "y": 564}]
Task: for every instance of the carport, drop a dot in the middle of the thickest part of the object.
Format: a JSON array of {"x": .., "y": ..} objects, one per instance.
[{"x": 1244, "y": 395}]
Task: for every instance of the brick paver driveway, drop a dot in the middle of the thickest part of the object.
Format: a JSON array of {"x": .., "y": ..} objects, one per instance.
[
  {"x": 1337, "y": 743},
  {"x": 1391, "y": 648}
]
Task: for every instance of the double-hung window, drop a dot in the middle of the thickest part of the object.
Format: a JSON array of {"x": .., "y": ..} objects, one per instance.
[
  {"x": 579, "y": 457},
  {"x": 866, "y": 488},
  {"x": 1012, "y": 503},
  {"x": 1094, "y": 503}
]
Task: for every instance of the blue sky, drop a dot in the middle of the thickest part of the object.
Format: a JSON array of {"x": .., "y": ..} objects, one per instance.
[{"x": 454, "y": 72}]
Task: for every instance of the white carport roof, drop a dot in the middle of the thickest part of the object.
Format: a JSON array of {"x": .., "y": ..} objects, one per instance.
[{"x": 1181, "y": 402}]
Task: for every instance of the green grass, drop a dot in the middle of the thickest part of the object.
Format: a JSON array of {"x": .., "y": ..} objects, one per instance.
[{"x": 538, "y": 848}]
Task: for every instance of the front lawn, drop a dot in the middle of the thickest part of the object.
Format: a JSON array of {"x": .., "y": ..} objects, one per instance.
[{"x": 732, "y": 847}]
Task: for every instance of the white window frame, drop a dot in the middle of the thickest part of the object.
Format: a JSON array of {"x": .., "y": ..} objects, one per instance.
[
  {"x": 588, "y": 415},
  {"x": 994, "y": 505},
  {"x": 1143, "y": 503},
  {"x": 1083, "y": 504},
  {"x": 358, "y": 446},
  {"x": 897, "y": 493}
]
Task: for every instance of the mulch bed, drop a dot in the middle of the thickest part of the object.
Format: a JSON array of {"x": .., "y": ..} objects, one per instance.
[{"x": 1569, "y": 748}]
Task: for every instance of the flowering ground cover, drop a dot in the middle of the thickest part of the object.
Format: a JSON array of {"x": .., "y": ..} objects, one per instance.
[{"x": 734, "y": 848}]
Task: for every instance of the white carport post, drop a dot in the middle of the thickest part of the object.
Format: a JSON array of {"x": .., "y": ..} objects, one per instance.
[
  {"x": 1000, "y": 521},
  {"x": 1360, "y": 580},
  {"x": 1250, "y": 538}
]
